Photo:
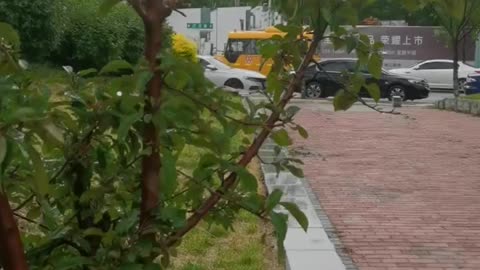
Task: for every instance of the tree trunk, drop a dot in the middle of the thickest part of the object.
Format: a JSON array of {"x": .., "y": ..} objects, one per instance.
[
  {"x": 12, "y": 256},
  {"x": 456, "y": 85},
  {"x": 154, "y": 19}
]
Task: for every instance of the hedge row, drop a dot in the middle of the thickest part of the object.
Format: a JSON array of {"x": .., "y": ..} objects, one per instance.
[{"x": 71, "y": 32}]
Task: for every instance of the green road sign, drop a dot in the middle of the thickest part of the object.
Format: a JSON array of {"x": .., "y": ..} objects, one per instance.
[{"x": 200, "y": 25}]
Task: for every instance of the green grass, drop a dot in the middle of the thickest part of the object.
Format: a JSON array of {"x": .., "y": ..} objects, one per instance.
[
  {"x": 215, "y": 248},
  {"x": 473, "y": 97}
]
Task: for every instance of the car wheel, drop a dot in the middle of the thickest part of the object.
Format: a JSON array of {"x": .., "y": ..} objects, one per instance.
[
  {"x": 234, "y": 83},
  {"x": 314, "y": 90},
  {"x": 461, "y": 86},
  {"x": 397, "y": 90}
]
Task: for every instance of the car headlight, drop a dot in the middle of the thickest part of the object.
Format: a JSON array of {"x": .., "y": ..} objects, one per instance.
[
  {"x": 415, "y": 81},
  {"x": 470, "y": 80},
  {"x": 253, "y": 79}
]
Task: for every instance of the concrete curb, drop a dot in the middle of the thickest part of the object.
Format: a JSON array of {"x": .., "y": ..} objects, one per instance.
[
  {"x": 459, "y": 105},
  {"x": 313, "y": 250}
]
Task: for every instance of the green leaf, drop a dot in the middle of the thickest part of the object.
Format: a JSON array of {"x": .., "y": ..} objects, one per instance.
[
  {"x": 268, "y": 49},
  {"x": 116, "y": 66},
  {"x": 175, "y": 216},
  {"x": 280, "y": 224},
  {"x": 247, "y": 180},
  {"x": 343, "y": 100},
  {"x": 272, "y": 200},
  {"x": 302, "y": 131},
  {"x": 127, "y": 223},
  {"x": 71, "y": 262},
  {"x": 374, "y": 91},
  {"x": 22, "y": 114},
  {"x": 3, "y": 149},
  {"x": 40, "y": 177},
  {"x": 254, "y": 202},
  {"x": 101, "y": 157},
  {"x": 34, "y": 213},
  {"x": 51, "y": 134},
  {"x": 87, "y": 72},
  {"x": 168, "y": 173},
  {"x": 375, "y": 66},
  {"x": 351, "y": 44},
  {"x": 297, "y": 214},
  {"x": 281, "y": 137},
  {"x": 338, "y": 43},
  {"x": 107, "y": 5},
  {"x": 126, "y": 123},
  {"x": 7, "y": 157},
  {"x": 292, "y": 111},
  {"x": 295, "y": 171},
  {"x": 93, "y": 231},
  {"x": 8, "y": 33}
]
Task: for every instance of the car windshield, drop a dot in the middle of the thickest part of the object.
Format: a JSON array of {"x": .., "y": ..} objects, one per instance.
[
  {"x": 460, "y": 62},
  {"x": 468, "y": 65}
]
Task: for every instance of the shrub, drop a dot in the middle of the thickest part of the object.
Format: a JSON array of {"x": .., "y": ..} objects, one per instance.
[
  {"x": 35, "y": 21},
  {"x": 183, "y": 47},
  {"x": 92, "y": 41}
]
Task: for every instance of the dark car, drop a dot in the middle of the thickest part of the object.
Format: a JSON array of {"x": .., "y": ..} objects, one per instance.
[
  {"x": 472, "y": 85},
  {"x": 326, "y": 78}
]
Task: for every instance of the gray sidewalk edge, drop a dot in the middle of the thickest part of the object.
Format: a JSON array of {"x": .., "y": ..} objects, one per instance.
[
  {"x": 330, "y": 229},
  {"x": 319, "y": 248}
]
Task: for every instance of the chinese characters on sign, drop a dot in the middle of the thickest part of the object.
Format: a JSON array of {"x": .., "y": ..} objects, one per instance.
[
  {"x": 199, "y": 25},
  {"x": 404, "y": 43},
  {"x": 398, "y": 40},
  {"x": 387, "y": 40},
  {"x": 394, "y": 40}
]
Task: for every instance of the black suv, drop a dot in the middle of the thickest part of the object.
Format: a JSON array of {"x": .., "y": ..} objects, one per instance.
[{"x": 326, "y": 78}]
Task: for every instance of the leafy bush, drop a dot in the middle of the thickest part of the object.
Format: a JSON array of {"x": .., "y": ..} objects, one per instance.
[
  {"x": 69, "y": 32},
  {"x": 92, "y": 41},
  {"x": 35, "y": 20}
]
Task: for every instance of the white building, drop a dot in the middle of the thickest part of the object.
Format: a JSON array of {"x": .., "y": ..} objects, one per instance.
[{"x": 224, "y": 20}]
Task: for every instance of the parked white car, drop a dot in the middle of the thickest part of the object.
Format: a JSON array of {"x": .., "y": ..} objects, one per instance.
[
  {"x": 438, "y": 73},
  {"x": 222, "y": 75}
]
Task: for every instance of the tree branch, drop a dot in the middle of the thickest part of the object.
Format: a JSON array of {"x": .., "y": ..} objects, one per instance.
[
  {"x": 30, "y": 220},
  {"x": 21, "y": 205},
  {"x": 180, "y": 12},
  {"x": 86, "y": 138},
  {"x": 252, "y": 151},
  {"x": 225, "y": 196},
  {"x": 212, "y": 110},
  {"x": 138, "y": 7},
  {"x": 52, "y": 245}
]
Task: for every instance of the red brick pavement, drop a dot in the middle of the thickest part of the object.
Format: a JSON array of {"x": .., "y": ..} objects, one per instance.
[{"x": 402, "y": 193}]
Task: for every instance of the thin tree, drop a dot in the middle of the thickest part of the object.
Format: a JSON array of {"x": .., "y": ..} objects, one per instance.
[{"x": 459, "y": 19}]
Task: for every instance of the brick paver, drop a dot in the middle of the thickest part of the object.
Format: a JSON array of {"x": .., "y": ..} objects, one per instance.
[{"x": 402, "y": 192}]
